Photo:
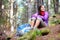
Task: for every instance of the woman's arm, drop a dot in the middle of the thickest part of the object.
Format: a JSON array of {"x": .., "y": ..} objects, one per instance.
[
  {"x": 46, "y": 16},
  {"x": 33, "y": 18}
]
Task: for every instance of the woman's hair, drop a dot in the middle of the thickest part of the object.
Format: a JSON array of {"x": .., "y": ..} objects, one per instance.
[{"x": 39, "y": 8}]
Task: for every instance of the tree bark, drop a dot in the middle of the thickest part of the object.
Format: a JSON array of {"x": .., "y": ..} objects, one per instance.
[
  {"x": 56, "y": 2},
  {"x": 49, "y": 2},
  {"x": 0, "y": 7},
  {"x": 29, "y": 9},
  {"x": 59, "y": 6},
  {"x": 11, "y": 16}
]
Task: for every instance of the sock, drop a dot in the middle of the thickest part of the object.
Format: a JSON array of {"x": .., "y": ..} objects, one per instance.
[{"x": 35, "y": 27}]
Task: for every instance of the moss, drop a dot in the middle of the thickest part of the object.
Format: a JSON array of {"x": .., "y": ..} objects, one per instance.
[
  {"x": 33, "y": 33},
  {"x": 30, "y": 35},
  {"x": 45, "y": 31}
]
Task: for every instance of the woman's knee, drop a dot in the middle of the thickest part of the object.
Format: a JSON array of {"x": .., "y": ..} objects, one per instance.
[{"x": 39, "y": 19}]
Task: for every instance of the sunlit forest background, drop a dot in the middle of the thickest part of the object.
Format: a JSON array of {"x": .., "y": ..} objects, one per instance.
[{"x": 17, "y": 12}]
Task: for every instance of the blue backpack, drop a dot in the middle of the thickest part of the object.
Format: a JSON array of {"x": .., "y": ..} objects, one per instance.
[{"x": 23, "y": 29}]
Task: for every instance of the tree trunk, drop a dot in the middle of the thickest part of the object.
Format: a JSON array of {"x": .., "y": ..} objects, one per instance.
[
  {"x": 59, "y": 7},
  {"x": 0, "y": 7},
  {"x": 49, "y": 2},
  {"x": 56, "y": 5},
  {"x": 29, "y": 9},
  {"x": 38, "y": 3},
  {"x": 11, "y": 16}
]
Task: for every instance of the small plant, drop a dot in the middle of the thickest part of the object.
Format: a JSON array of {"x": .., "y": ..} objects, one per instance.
[
  {"x": 45, "y": 31},
  {"x": 33, "y": 33}
]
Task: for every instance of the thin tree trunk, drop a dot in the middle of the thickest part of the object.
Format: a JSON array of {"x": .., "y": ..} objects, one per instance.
[
  {"x": 59, "y": 7},
  {"x": 29, "y": 9},
  {"x": 56, "y": 5},
  {"x": 11, "y": 16},
  {"x": 0, "y": 7},
  {"x": 49, "y": 3},
  {"x": 36, "y": 5}
]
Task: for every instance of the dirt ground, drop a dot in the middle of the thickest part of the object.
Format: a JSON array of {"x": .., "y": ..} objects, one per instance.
[{"x": 54, "y": 35}]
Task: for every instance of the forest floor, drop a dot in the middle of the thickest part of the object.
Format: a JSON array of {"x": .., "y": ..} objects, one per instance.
[{"x": 53, "y": 35}]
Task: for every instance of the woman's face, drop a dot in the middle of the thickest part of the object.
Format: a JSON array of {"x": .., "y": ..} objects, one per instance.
[{"x": 42, "y": 8}]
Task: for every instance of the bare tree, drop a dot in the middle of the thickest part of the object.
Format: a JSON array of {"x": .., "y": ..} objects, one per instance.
[
  {"x": 0, "y": 7},
  {"x": 11, "y": 15},
  {"x": 56, "y": 3},
  {"x": 59, "y": 7}
]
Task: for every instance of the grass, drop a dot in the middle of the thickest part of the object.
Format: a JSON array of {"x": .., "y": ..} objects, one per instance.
[{"x": 33, "y": 33}]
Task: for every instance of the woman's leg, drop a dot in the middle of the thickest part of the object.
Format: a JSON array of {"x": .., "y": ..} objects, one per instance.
[
  {"x": 40, "y": 22},
  {"x": 37, "y": 23},
  {"x": 43, "y": 24},
  {"x": 32, "y": 23}
]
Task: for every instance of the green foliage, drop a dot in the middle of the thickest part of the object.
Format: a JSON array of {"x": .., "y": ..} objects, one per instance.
[
  {"x": 33, "y": 33},
  {"x": 38, "y": 32},
  {"x": 30, "y": 35},
  {"x": 5, "y": 3},
  {"x": 45, "y": 30},
  {"x": 57, "y": 22},
  {"x": 27, "y": 36},
  {"x": 2, "y": 20}
]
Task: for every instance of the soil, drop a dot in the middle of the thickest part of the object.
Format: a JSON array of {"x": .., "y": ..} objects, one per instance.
[{"x": 54, "y": 35}]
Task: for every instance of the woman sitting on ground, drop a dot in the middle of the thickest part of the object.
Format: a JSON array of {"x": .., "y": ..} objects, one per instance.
[{"x": 40, "y": 18}]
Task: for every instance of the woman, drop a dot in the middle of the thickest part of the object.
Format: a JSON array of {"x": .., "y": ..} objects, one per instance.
[{"x": 40, "y": 18}]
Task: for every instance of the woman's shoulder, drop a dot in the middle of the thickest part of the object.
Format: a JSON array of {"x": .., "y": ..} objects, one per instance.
[{"x": 46, "y": 11}]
